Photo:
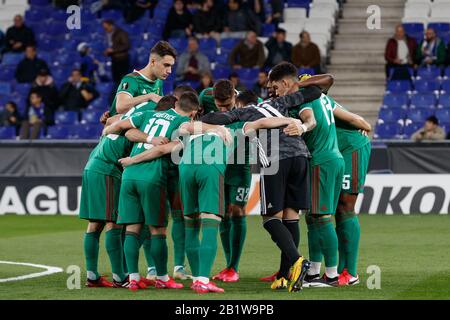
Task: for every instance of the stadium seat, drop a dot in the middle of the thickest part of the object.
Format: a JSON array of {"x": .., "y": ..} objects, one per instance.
[
  {"x": 221, "y": 72},
  {"x": 168, "y": 87},
  {"x": 101, "y": 103},
  {"x": 180, "y": 44},
  {"x": 419, "y": 115},
  {"x": 12, "y": 59},
  {"x": 396, "y": 101},
  {"x": 441, "y": 28},
  {"x": 399, "y": 86},
  {"x": 85, "y": 132},
  {"x": 227, "y": 44},
  {"x": 428, "y": 73},
  {"x": 323, "y": 10},
  {"x": 22, "y": 89},
  {"x": 5, "y": 88},
  {"x": 248, "y": 73},
  {"x": 91, "y": 116},
  {"x": 57, "y": 132},
  {"x": 294, "y": 14},
  {"x": 268, "y": 29},
  {"x": 444, "y": 101},
  {"x": 413, "y": 28},
  {"x": 443, "y": 115},
  {"x": 391, "y": 115},
  {"x": 7, "y": 73},
  {"x": 426, "y": 86},
  {"x": 410, "y": 128},
  {"x": 8, "y": 132},
  {"x": 105, "y": 88},
  {"x": 424, "y": 101},
  {"x": 446, "y": 86},
  {"x": 298, "y": 4},
  {"x": 388, "y": 130},
  {"x": 66, "y": 117},
  {"x": 306, "y": 71},
  {"x": 39, "y": 2}
]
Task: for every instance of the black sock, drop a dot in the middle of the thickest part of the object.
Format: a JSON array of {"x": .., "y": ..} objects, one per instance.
[
  {"x": 283, "y": 239},
  {"x": 294, "y": 230}
]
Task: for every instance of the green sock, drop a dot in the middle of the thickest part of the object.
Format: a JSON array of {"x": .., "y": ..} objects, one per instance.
[
  {"x": 328, "y": 241},
  {"x": 124, "y": 261},
  {"x": 237, "y": 234},
  {"x": 208, "y": 246},
  {"x": 192, "y": 228},
  {"x": 348, "y": 230},
  {"x": 315, "y": 253},
  {"x": 146, "y": 241},
  {"x": 131, "y": 250},
  {"x": 225, "y": 229},
  {"x": 114, "y": 248},
  {"x": 178, "y": 236},
  {"x": 90, "y": 243},
  {"x": 159, "y": 253}
]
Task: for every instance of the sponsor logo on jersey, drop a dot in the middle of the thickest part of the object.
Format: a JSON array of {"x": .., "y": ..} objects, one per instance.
[{"x": 125, "y": 86}]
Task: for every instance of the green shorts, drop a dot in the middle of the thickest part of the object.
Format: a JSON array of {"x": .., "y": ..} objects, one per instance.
[
  {"x": 99, "y": 197},
  {"x": 356, "y": 165},
  {"x": 237, "y": 185},
  {"x": 143, "y": 202},
  {"x": 326, "y": 183},
  {"x": 202, "y": 189}
]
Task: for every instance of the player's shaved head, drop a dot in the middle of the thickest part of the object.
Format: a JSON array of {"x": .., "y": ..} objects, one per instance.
[
  {"x": 166, "y": 103},
  {"x": 182, "y": 88},
  {"x": 282, "y": 71},
  {"x": 188, "y": 102}
]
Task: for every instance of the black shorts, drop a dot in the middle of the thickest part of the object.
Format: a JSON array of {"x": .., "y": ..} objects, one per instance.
[{"x": 288, "y": 188}]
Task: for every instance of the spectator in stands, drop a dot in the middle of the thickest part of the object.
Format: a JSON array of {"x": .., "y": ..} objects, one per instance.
[
  {"x": 10, "y": 116},
  {"x": 138, "y": 8},
  {"x": 45, "y": 87},
  {"x": 19, "y": 36},
  {"x": 234, "y": 78},
  {"x": 76, "y": 94},
  {"x": 2, "y": 41},
  {"x": 192, "y": 62},
  {"x": 118, "y": 47},
  {"x": 277, "y": 12},
  {"x": 257, "y": 6},
  {"x": 279, "y": 49},
  {"x": 430, "y": 131},
  {"x": 448, "y": 54},
  {"x": 28, "y": 68},
  {"x": 306, "y": 54},
  {"x": 239, "y": 19},
  {"x": 36, "y": 117},
  {"x": 248, "y": 53},
  {"x": 179, "y": 22},
  {"x": 260, "y": 87},
  {"x": 207, "y": 21},
  {"x": 88, "y": 64},
  {"x": 206, "y": 81},
  {"x": 431, "y": 50},
  {"x": 399, "y": 53}
]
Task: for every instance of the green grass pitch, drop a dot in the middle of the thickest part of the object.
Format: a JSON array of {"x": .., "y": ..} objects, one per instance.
[{"x": 411, "y": 252}]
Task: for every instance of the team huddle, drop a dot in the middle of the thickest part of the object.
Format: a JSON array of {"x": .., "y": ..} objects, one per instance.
[{"x": 189, "y": 157}]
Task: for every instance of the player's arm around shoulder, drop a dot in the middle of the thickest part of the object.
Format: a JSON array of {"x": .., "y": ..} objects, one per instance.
[
  {"x": 306, "y": 115},
  {"x": 153, "y": 153},
  {"x": 199, "y": 127},
  {"x": 351, "y": 118},
  {"x": 269, "y": 123}
]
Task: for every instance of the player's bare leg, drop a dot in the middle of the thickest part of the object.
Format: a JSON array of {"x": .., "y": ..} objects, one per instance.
[
  {"x": 160, "y": 255},
  {"x": 348, "y": 232},
  {"x": 131, "y": 251},
  {"x": 91, "y": 249}
]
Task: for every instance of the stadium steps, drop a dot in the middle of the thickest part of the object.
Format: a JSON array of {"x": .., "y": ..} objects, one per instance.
[{"x": 357, "y": 58}]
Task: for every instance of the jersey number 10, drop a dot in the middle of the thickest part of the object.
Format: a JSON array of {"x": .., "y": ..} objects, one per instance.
[{"x": 155, "y": 127}]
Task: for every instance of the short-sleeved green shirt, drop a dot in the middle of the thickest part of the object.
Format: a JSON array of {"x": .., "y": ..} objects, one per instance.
[
  {"x": 136, "y": 84},
  {"x": 155, "y": 124},
  {"x": 238, "y": 168},
  {"x": 206, "y": 99},
  {"x": 349, "y": 138},
  {"x": 322, "y": 140}
]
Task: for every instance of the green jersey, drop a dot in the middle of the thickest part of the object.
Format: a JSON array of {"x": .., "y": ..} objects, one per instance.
[
  {"x": 206, "y": 99},
  {"x": 239, "y": 166},
  {"x": 322, "y": 140},
  {"x": 155, "y": 124},
  {"x": 349, "y": 138},
  {"x": 136, "y": 84}
]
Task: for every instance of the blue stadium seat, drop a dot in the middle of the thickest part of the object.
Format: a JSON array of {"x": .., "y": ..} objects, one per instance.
[
  {"x": 226, "y": 44},
  {"x": 306, "y": 71},
  {"x": 268, "y": 29},
  {"x": 134, "y": 29},
  {"x": 85, "y": 131},
  {"x": 12, "y": 59},
  {"x": 66, "y": 117},
  {"x": 168, "y": 87},
  {"x": 426, "y": 86},
  {"x": 399, "y": 86},
  {"x": 388, "y": 130},
  {"x": 207, "y": 44},
  {"x": 246, "y": 74},
  {"x": 8, "y": 133},
  {"x": 298, "y": 3},
  {"x": 59, "y": 15},
  {"x": 22, "y": 89},
  {"x": 57, "y": 132},
  {"x": 412, "y": 29},
  {"x": 441, "y": 28},
  {"x": 49, "y": 44},
  {"x": 428, "y": 73},
  {"x": 443, "y": 115},
  {"x": 91, "y": 116},
  {"x": 100, "y": 103},
  {"x": 446, "y": 85},
  {"x": 156, "y": 28},
  {"x": 391, "y": 115},
  {"x": 105, "y": 88},
  {"x": 446, "y": 126},
  {"x": 444, "y": 101},
  {"x": 222, "y": 59},
  {"x": 180, "y": 44},
  {"x": 193, "y": 84},
  {"x": 35, "y": 16},
  {"x": 419, "y": 115},
  {"x": 87, "y": 15},
  {"x": 447, "y": 72},
  {"x": 160, "y": 14},
  {"x": 115, "y": 15},
  {"x": 39, "y": 2},
  {"x": 410, "y": 128},
  {"x": 5, "y": 88},
  {"x": 423, "y": 101},
  {"x": 221, "y": 72},
  {"x": 396, "y": 100},
  {"x": 7, "y": 73},
  {"x": 57, "y": 29}
]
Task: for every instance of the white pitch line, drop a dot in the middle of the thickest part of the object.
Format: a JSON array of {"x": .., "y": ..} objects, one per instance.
[{"x": 49, "y": 270}]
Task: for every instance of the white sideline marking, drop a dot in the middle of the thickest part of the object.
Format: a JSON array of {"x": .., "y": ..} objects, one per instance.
[{"x": 49, "y": 270}]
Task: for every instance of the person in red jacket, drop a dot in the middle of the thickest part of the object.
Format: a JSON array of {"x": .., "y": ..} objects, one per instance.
[{"x": 399, "y": 53}]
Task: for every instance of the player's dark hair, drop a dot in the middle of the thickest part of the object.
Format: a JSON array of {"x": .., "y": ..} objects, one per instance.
[
  {"x": 182, "y": 88},
  {"x": 247, "y": 97},
  {"x": 223, "y": 90},
  {"x": 166, "y": 103},
  {"x": 433, "y": 120},
  {"x": 108, "y": 21},
  {"x": 12, "y": 103},
  {"x": 188, "y": 102},
  {"x": 36, "y": 92},
  {"x": 283, "y": 70},
  {"x": 163, "y": 48}
]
